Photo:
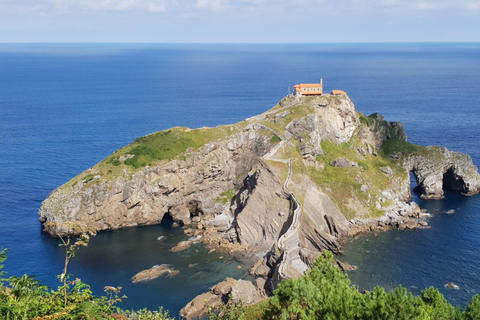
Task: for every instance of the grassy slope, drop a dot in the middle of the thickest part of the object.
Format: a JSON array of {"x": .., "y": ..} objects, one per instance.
[{"x": 154, "y": 149}]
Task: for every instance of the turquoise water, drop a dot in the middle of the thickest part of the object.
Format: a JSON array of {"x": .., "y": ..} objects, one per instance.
[{"x": 64, "y": 108}]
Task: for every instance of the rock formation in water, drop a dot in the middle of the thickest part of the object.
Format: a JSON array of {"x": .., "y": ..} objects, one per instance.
[
  {"x": 283, "y": 185},
  {"x": 154, "y": 272}
]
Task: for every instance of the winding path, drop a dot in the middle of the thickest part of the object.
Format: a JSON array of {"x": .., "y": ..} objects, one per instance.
[{"x": 288, "y": 243}]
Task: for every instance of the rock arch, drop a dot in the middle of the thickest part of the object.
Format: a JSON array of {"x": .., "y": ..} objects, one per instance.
[{"x": 448, "y": 170}]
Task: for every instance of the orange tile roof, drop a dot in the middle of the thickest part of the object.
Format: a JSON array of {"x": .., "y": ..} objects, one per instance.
[
  {"x": 308, "y": 85},
  {"x": 338, "y": 92}
]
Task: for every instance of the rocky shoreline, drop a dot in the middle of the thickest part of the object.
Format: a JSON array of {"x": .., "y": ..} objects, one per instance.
[{"x": 282, "y": 186}]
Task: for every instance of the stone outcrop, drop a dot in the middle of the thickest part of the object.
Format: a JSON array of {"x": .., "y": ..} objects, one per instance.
[
  {"x": 345, "y": 266},
  {"x": 229, "y": 290},
  {"x": 439, "y": 169},
  {"x": 181, "y": 189},
  {"x": 154, "y": 272},
  {"x": 282, "y": 186}
]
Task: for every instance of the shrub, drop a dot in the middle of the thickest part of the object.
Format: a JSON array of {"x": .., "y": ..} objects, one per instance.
[
  {"x": 363, "y": 165},
  {"x": 275, "y": 139}
]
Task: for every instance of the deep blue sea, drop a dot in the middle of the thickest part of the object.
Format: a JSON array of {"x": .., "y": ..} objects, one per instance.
[{"x": 65, "y": 107}]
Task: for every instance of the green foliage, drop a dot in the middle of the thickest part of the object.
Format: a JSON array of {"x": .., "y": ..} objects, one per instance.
[
  {"x": 114, "y": 161},
  {"x": 145, "y": 314},
  {"x": 344, "y": 184},
  {"x": 400, "y": 146},
  {"x": 226, "y": 196},
  {"x": 326, "y": 293},
  {"x": 166, "y": 145},
  {"x": 3, "y": 257},
  {"x": 25, "y": 298},
  {"x": 88, "y": 178},
  {"x": 473, "y": 309},
  {"x": 437, "y": 307},
  {"x": 275, "y": 139},
  {"x": 363, "y": 165},
  {"x": 157, "y": 146},
  {"x": 228, "y": 311},
  {"x": 368, "y": 121}
]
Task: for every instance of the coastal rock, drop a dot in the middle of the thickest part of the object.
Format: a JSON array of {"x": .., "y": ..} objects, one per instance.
[
  {"x": 197, "y": 308},
  {"x": 152, "y": 273},
  {"x": 188, "y": 232},
  {"x": 407, "y": 224},
  {"x": 440, "y": 169},
  {"x": 182, "y": 245},
  {"x": 345, "y": 266},
  {"x": 229, "y": 290}
]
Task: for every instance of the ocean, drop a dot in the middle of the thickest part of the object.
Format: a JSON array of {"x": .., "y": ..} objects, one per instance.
[{"x": 65, "y": 107}]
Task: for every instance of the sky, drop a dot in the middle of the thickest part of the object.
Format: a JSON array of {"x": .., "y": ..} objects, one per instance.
[{"x": 240, "y": 21}]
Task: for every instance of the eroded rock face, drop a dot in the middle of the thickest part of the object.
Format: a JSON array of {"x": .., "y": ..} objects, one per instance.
[
  {"x": 261, "y": 211},
  {"x": 440, "y": 169},
  {"x": 182, "y": 189},
  {"x": 338, "y": 120}
]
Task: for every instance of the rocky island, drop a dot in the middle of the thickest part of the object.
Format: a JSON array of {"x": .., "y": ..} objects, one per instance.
[{"x": 282, "y": 186}]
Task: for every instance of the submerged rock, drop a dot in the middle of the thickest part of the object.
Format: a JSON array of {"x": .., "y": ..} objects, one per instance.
[
  {"x": 182, "y": 245},
  {"x": 452, "y": 285},
  {"x": 150, "y": 274},
  {"x": 154, "y": 272}
]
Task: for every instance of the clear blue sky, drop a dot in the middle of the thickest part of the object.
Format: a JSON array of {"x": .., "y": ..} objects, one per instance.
[{"x": 249, "y": 21}]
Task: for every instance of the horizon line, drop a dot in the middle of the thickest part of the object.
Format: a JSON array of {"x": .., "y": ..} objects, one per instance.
[{"x": 230, "y": 43}]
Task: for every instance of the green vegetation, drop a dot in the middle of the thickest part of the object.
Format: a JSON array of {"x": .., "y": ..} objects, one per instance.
[
  {"x": 152, "y": 149},
  {"x": 88, "y": 178},
  {"x": 226, "y": 196},
  {"x": 275, "y": 139},
  {"x": 165, "y": 145},
  {"x": 368, "y": 121},
  {"x": 363, "y": 165},
  {"x": 345, "y": 183},
  {"x": 326, "y": 293},
  {"x": 278, "y": 124},
  {"x": 401, "y": 147},
  {"x": 25, "y": 298}
]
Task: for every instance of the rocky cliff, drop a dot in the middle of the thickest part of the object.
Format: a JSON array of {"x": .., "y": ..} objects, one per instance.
[{"x": 283, "y": 185}]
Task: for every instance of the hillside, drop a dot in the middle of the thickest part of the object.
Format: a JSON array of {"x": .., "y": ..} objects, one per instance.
[{"x": 284, "y": 185}]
